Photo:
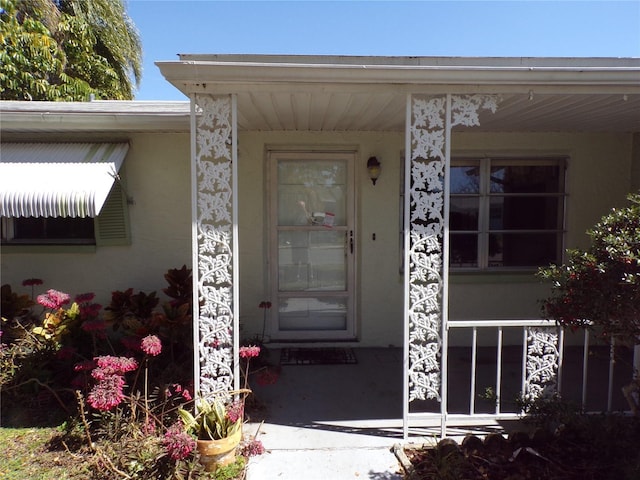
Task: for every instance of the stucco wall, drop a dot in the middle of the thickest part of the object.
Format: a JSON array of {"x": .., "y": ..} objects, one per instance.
[
  {"x": 158, "y": 178},
  {"x": 379, "y": 287},
  {"x": 598, "y": 177}
]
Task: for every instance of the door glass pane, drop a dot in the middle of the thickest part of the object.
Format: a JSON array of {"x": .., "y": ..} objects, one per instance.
[
  {"x": 325, "y": 313},
  {"x": 312, "y": 193},
  {"x": 312, "y": 260},
  {"x": 312, "y": 263}
]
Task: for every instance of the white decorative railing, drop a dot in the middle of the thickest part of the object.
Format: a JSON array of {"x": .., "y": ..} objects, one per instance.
[{"x": 543, "y": 348}]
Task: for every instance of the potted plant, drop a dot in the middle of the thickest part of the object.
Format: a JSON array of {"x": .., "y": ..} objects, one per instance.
[{"x": 217, "y": 426}]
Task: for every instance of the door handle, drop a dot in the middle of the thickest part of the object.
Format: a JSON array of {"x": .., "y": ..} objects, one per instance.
[{"x": 351, "y": 241}]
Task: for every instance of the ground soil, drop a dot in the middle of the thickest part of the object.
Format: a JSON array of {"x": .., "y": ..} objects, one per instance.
[
  {"x": 587, "y": 451},
  {"x": 40, "y": 453}
]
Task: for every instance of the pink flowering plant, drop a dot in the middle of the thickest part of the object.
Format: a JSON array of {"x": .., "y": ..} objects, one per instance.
[
  {"x": 109, "y": 372},
  {"x": 263, "y": 373},
  {"x": 178, "y": 443},
  {"x": 138, "y": 419},
  {"x": 47, "y": 338},
  {"x": 128, "y": 369},
  {"x": 57, "y": 320}
]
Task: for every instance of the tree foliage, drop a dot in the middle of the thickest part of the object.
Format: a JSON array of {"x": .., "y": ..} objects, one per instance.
[
  {"x": 67, "y": 50},
  {"x": 600, "y": 286}
]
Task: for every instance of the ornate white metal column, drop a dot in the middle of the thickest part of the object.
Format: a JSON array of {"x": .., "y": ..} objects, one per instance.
[
  {"x": 214, "y": 237},
  {"x": 428, "y": 142}
]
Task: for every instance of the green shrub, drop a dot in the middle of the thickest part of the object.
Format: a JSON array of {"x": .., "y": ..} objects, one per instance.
[{"x": 600, "y": 286}]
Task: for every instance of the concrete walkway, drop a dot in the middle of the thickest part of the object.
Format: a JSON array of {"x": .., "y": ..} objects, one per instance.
[
  {"x": 335, "y": 422},
  {"x": 322, "y": 457},
  {"x": 331, "y": 422}
]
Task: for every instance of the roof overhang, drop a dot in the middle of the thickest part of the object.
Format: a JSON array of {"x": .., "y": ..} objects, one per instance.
[
  {"x": 57, "y": 179},
  {"x": 606, "y": 74},
  {"x": 103, "y": 116},
  {"x": 355, "y": 93}
]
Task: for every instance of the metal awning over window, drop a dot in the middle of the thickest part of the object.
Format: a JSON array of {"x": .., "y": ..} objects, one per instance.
[{"x": 57, "y": 179}]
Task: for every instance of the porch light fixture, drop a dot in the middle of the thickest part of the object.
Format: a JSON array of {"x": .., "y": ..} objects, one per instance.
[{"x": 374, "y": 168}]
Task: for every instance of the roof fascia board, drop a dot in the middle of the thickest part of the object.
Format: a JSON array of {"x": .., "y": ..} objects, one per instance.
[
  {"x": 188, "y": 73},
  {"x": 409, "y": 61},
  {"x": 14, "y": 121},
  {"x": 125, "y": 107},
  {"x": 221, "y": 88}
]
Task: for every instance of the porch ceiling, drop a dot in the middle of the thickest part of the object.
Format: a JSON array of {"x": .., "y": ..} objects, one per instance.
[
  {"x": 326, "y": 93},
  {"x": 387, "y": 112}
]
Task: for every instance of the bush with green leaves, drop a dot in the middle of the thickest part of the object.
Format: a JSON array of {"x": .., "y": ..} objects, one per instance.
[{"x": 600, "y": 286}]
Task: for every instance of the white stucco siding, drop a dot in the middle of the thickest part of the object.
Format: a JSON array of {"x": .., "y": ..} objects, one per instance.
[
  {"x": 160, "y": 217},
  {"x": 379, "y": 286},
  {"x": 598, "y": 177},
  {"x": 156, "y": 174}
]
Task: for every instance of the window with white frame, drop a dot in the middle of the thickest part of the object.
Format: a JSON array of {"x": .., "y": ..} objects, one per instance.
[{"x": 506, "y": 212}]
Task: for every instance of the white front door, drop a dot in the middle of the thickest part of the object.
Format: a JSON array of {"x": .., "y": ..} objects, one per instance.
[{"x": 312, "y": 242}]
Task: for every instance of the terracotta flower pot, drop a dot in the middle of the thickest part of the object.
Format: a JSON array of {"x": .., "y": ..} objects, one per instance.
[{"x": 215, "y": 453}]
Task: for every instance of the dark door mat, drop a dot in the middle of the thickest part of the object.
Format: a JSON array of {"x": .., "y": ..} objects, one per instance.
[{"x": 317, "y": 356}]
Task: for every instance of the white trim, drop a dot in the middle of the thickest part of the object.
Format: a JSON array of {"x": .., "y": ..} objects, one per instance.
[
  {"x": 206, "y": 71},
  {"x": 107, "y": 115},
  {"x": 235, "y": 248},
  {"x": 444, "y": 309},
  {"x": 443, "y": 61},
  {"x": 407, "y": 268},
  {"x": 195, "y": 273},
  {"x": 525, "y": 322}
]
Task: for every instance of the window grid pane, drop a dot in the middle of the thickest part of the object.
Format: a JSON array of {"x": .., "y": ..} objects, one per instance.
[
  {"x": 48, "y": 231},
  {"x": 518, "y": 210}
]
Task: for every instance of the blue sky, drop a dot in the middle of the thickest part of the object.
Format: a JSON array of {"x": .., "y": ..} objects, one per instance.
[{"x": 427, "y": 28}]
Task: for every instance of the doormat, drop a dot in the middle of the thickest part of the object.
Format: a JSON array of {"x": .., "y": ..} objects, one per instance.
[{"x": 317, "y": 356}]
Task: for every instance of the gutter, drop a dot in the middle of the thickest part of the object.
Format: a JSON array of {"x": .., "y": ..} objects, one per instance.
[{"x": 185, "y": 73}]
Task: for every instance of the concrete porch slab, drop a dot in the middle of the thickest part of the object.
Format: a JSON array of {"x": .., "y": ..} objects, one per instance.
[
  {"x": 325, "y": 464},
  {"x": 341, "y": 421},
  {"x": 331, "y": 422}
]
